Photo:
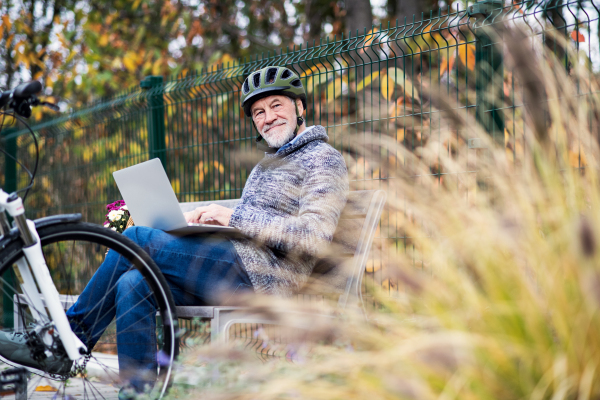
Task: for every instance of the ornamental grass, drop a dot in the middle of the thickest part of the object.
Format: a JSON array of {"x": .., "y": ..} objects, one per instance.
[{"x": 500, "y": 298}]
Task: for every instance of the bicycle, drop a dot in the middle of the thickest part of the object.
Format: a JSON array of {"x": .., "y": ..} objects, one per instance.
[{"x": 45, "y": 263}]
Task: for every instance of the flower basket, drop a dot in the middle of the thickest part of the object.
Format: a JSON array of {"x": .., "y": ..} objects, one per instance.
[{"x": 118, "y": 218}]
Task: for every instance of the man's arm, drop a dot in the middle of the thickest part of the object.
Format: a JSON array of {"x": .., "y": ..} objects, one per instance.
[{"x": 322, "y": 199}]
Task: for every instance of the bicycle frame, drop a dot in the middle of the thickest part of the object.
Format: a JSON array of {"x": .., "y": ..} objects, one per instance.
[{"x": 35, "y": 262}]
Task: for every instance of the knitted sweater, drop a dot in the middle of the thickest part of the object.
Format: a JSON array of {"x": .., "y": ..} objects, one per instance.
[{"x": 290, "y": 208}]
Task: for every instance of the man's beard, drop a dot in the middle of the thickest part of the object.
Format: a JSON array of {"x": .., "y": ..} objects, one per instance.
[{"x": 283, "y": 136}]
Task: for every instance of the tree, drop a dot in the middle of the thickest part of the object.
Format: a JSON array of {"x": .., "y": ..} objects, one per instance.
[
  {"x": 358, "y": 16},
  {"x": 39, "y": 38}
]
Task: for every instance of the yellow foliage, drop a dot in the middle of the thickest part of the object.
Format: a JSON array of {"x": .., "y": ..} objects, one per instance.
[
  {"x": 130, "y": 60},
  {"x": 218, "y": 166},
  {"x": 227, "y": 59},
  {"x": 6, "y": 22},
  {"x": 176, "y": 185},
  {"x": 466, "y": 53},
  {"x": 367, "y": 81},
  {"x": 373, "y": 265},
  {"x": 370, "y": 37},
  {"x": 312, "y": 70},
  {"x": 94, "y": 27},
  {"x": 334, "y": 90},
  {"x": 317, "y": 75},
  {"x": 156, "y": 67},
  {"x": 387, "y": 87},
  {"x": 103, "y": 41},
  {"x": 447, "y": 63},
  {"x": 49, "y": 81},
  {"x": 397, "y": 76},
  {"x": 62, "y": 40},
  {"x": 9, "y": 41},
  {"x": 200, "y": 171},
  {"x": 70, "y": 57},
  {"x": 400, "y": 133}
]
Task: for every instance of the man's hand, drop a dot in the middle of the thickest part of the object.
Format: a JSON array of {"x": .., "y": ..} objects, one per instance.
[{"x": 212, "y": 214}]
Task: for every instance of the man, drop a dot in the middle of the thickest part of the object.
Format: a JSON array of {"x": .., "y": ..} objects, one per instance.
[{"x": 289, "y": 211}]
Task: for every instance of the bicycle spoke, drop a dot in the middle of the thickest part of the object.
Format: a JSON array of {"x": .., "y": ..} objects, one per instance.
[{"x": 72, "y": 262}]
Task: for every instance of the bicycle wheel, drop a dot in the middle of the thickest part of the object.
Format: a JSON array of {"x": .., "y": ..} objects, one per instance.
[{"x": 73, "y": 252}]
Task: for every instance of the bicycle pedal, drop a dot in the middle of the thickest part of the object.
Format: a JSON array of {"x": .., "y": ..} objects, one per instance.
[{"x": 14, "y": 382}]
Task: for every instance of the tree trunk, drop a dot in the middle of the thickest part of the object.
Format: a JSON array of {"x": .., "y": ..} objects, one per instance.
[
  {"x": 408, "y": 8},
  {"x": 313, "y": 20},
  {"x": 358, "y": 16}
]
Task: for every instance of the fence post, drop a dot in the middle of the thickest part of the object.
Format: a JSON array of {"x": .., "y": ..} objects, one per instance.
[
  {"x": 156, "y": 117},
  {"x": 489, "y": 67},
  {"x": 10, "y": 185}
]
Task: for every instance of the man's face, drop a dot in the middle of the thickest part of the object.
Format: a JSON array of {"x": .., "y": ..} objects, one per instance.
[{"x": 275, "y": 119}]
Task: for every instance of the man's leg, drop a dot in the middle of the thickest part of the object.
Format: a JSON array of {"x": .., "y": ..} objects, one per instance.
[{"x": 199, "y": 270}]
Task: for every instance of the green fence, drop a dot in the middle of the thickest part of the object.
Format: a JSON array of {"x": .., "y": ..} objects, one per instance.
[{"x": 368, "y": 84}]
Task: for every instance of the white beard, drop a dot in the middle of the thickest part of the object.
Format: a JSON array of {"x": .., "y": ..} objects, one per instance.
[{"x": 285, "y": 133}]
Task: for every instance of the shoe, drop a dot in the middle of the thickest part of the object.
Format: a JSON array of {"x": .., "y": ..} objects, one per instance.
[
  {"x": 14, "y": 347},
  {"x": 127, "y": 393}
]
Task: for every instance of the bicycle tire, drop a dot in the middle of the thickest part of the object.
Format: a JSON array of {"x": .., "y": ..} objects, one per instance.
[{"x": 89, "y": 242}]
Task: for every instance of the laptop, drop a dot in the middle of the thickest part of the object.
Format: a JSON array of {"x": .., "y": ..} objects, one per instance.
[{"x": 151, "y": 200}]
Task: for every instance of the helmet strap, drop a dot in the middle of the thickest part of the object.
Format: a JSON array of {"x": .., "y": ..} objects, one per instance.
[
  {"x": 259, "y": 136},
  {"x": 299, "y": 119}
]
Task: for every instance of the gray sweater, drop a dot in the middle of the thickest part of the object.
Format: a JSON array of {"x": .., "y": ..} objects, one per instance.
[{"x": 290, "y": 207}]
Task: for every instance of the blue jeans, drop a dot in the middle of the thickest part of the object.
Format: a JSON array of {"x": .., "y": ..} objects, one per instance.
[{"x": 200, "y": 270}]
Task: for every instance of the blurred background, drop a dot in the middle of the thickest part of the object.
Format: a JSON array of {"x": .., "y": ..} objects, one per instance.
[{"x": 84, "y": 50}]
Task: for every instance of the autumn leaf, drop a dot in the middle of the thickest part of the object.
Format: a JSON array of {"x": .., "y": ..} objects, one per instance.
[
  {"x": 334, "y": 89},
  {"x": 70, "y": 57},
  {"x": 367, "y": 81},
  {"x": 309, "y": 85},
  {"x": 45, "y": 388},
  {"x": 312, "y": 70},
  {"x": 103, "y": 41},
  {"x": 387, "y": 87},
  {"x": 447, "y": 63},
  {"x": 577, "y": 36},
  {"x": 6, "y": 22},
  {"x": 317, "y": 75},
  {"x": 400, "y": 133},
  {"x": 397, "y": 75},
  {"x": 156, "y": 67},
  {"x": 223, "y": 60},
  {"x": 370, "y": 37},
  {"x": 373, "y": 265},
  {"x": 9, "y": 41},
  {"x": 130, "y": 61},
  {"x": 466, "y": 53},
  {"x": 218, "y": 166}
]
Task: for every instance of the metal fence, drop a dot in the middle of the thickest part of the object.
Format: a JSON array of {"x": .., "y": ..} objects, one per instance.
[{"x": 368, "y": 84}]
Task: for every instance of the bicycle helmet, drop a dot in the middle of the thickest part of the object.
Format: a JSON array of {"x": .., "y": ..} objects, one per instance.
[{"x": 271, "y": 81}]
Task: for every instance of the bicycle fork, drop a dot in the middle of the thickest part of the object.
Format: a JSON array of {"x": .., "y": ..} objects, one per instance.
[{"x": 35, "y": 262}]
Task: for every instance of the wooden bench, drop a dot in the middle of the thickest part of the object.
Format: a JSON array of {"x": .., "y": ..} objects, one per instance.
[{"x": 340, "y": 275}]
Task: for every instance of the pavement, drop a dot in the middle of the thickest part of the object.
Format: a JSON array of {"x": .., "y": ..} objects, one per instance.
[{"x": 102, "y": 371}]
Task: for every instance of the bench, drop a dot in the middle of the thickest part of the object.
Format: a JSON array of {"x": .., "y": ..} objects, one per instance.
[{"x": 340, "y": 275}]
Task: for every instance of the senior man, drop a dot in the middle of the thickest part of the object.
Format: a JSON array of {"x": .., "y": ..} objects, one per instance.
[{"x": 288, "y": 213}]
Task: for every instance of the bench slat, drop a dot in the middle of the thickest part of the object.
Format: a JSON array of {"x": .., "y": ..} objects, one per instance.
[{"x": 195, "y": 311}]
